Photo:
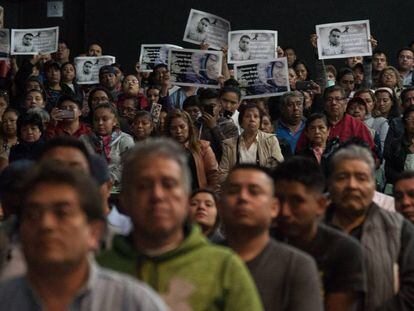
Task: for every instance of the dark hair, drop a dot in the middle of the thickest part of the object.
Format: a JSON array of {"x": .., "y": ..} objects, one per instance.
[
  {"x": 332, "y": 89},
  {"x": 96, "y": 89},
  {"x": 11, "y": 109},
  {"x": 29, "y": 119},
  {"x": 153, "y": 87},
  {"x": 244, "y": 36},
  {"x": 143, "y": 113},
  {"x": 251, "y": 166},
  {"x": 206, "y": 94},
  {"x": 230, "y": 89},
  {"x": 87, "y": 190},
  {"x": 406, "y": 48},
  {"x": 300, "y": 62},
  {"x": 334, "y": 29},
  {"x": 404, "y": 93},
  {"x": 38, "y": 91},
  {"x": 231, "y": 83},
  {"x": 302, "y": 170},
  {"x": 407, "y": 112},
  {"x": 205, "y": 19},
  {"x": 244, "y": 108},
  {"x": 378, "y": 51},
  {"x": 343, "y": 72},
  {"x": 205, "y": 190},
  {"x": 65, "y": 142},
  {"x": 404, "y": 175},
  {"x": 68, "y": 63},
  {"x": 358, "y": 101},
  {"x": 316, "y": 116},
  {"x": 108, "y": 106},
  {"x": 191, "y": 101},
  {"x": 68, "y": 97},
  {"x": 193, "y": 142}
]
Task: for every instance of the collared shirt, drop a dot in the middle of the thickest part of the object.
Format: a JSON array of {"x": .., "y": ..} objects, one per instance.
[
  {"x": 248, "y": 155},
  {"x": 104, "y": 290},
  {"x": 282, "y": 131},
  {"x": 407, "y": 79}
]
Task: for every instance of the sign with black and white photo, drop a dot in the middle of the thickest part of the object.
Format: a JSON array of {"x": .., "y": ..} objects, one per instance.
[
  {"x": 87, "y": 68},
  {"x": 346, "y": 39},
  {"x": 34, "y": 41},
  {"x": 262, "y": 78},
  {"x": 201, "y": 68},
  {"x": 154, "y": 54},
  {"x": 4, "y": 43},
  {"x": 247, "y": 45},
  {"x": 206, "y": 28}
]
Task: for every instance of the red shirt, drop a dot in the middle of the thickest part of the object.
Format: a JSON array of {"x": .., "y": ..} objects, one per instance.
[
  {"x": 347, "y": 128},
  {"x": 58, "y": 130}
]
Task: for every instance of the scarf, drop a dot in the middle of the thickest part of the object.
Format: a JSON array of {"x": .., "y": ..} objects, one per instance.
[{"x": 102, "y": 144}]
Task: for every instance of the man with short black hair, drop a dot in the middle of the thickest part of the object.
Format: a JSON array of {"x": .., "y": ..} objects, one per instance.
[
  {"x": 213, "y": 127},
  {"x": 299, "y": 186},
  {"x": 62, "y": 54},
  {"x": 60, "y": 224},
  {"x": 200, "y": 32},
  {"x": 404, "y": 195},
  {"x": 405, "y": 65},
  {"x": 66, "y": 119},
  {"x": 242, "y": 52},
  {"x": 285, "y": 277}
]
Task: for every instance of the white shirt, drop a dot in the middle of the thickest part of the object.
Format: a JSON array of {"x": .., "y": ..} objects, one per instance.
[{"x": 248, "y": 155}]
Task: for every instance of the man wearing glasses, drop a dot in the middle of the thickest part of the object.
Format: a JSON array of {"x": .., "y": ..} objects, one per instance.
[
  {"x": 342, "y": 126},
  {"x": 405, "y": 65}
]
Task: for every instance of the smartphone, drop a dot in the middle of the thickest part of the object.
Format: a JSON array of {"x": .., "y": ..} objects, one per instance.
[
  {"x": 209, "y": 109},
  {"x": 67, "y": 114},
  {"x": 227, "y": 114},
  {"x": 303, "y": 85}
]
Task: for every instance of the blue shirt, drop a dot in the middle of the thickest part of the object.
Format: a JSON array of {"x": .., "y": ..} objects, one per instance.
[{"x": 282, "y": 131}]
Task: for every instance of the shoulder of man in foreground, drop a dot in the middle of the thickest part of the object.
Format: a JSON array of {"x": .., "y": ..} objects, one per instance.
[
  {"x": 197, "y": 274},
  {"x": 104, "y": 290}
]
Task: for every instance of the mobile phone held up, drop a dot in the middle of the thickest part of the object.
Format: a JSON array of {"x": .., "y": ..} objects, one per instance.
[
  {"x": 303, "y": 85},
  {"x": 67, "y": 114}
]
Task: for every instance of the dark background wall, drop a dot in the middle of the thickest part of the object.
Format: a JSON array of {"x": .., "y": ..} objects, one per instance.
[{"x": 121, "y": 26}]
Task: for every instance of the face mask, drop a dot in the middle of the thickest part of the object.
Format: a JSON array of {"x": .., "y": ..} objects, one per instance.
[{"x": 330, "y": 83}]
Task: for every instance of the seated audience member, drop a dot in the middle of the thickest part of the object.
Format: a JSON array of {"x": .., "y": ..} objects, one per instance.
[
  {"x": 53, "y": 86},
  {"x": 391, "y": 78},
  {"x": 342, "y": 126},
  {"x": 107, "y": 140},
  {"x": 131, "y": 88},
  {"x": 291, "y": 122},
  {"x": 192, "y": 106},
  {"x": 202, "y": 161},
  {"x": 339, "y": 257},
  {"x": 94, "y": 50},
  {"x": 142, "y": 127},
  {"x": 401, "y": 150},
  {"x": 379, "y": 124},
  {"x": 230, "y": 99},
  {"x": 302, "y": 71},
  {"x": 62, "y": 204},
  {"x": 107, "y": 79},
  {"x": 30, "y": 135},
  {"x": 386, "y": 104},
  {"x": 190, "y": 274},
  {"x": 66, "y": 119},
  {"x": 34, "y": 99},
  {"x": 346, "y": 80},
  {"x": 211, "y": 126},
  {"x": 8, "y": 137},
  {"x": 286, "y": 278},
  {"x": 379, "y": 62},
  {"x": 387, "y": 239},
  {"x": 203, "y": 211},
  {"x": 405, "y": 65},
  {"x": 68, "y": 72},
  {"x": 404, "y": 195},
  {"x": 252, "y": 146}
]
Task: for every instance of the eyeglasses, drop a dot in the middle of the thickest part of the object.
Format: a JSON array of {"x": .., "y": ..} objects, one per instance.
[{"x": 330, "y": 100}]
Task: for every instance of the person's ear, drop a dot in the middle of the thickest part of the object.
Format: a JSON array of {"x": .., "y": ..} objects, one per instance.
[
  {"x": 274, "y": 207},
  {"x": 96, "y": 229},
  {"x": 322, "y": 201}
]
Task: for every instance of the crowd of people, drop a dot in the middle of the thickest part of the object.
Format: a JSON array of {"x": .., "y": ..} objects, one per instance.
[{"x": 134, "y": 194}]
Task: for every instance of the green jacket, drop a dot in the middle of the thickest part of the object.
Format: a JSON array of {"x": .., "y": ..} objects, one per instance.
[{"x": 195, "y": 276}]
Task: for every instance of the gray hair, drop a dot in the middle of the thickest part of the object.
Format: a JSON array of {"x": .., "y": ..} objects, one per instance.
[
  {"x": 285, "y": 97},
  {"x": 42, "y": 113},
  {"x": 155, "y": 147},
  {"x": 352, "y": 152}
]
